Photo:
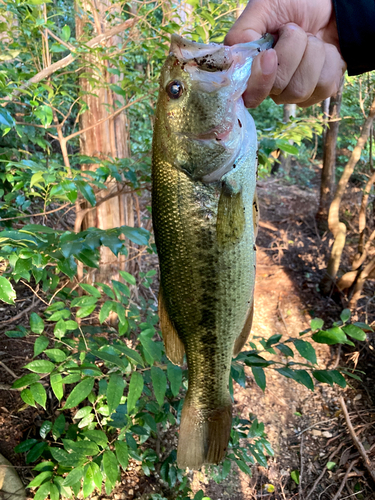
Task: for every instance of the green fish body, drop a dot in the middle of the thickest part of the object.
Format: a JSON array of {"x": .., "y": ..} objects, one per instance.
[{"x": 205, "y": 215}]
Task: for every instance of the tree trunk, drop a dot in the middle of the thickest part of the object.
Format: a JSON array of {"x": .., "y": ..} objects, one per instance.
[
  {"x": 337, "y": 228},
  {"x": 329, "y": 155},
  {"x": 108, "y": 140}
]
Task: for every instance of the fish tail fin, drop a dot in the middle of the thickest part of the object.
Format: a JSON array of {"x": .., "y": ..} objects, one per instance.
[{"x": 204, "y": 435}]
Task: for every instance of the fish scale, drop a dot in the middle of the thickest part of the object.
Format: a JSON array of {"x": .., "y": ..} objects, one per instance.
[{"x": 202, "y": 205}]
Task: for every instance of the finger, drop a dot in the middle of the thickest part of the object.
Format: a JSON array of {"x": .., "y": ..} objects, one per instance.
[
  {"x": 263, "y": 74},
  {"x": 290, "y": 49},
  {"x": 330, "y": 77},
  {"x": 251, "y": 25},
  {"x": 306, "y": 77}
]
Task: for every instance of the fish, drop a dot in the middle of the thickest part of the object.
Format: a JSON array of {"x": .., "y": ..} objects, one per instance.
[{"x": 205, "y": 213}]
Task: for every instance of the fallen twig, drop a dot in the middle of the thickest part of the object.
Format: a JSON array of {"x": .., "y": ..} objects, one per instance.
[
  {"x": 356, "y": 441},
  {"x": 8, "y": 369},
  {"x": 341, "y": 487},
  {"x": 18, "y": 316}
]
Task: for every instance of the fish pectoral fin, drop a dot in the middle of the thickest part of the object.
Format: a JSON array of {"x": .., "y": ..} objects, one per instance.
[
  {"x": 174, "y": 348},
  {"x": 244, "y": 335},
  {"x": 204, "y": 435}
]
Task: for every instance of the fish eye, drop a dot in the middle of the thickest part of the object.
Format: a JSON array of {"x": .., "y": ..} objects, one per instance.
[{"x": 175, "y": 89}]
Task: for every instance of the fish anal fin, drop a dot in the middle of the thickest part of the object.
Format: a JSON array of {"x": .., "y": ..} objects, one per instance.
[
  {"x": 174, "y": 348},
  {"x": 204, "y": 436},
  {"x": 244, "y": 335}
]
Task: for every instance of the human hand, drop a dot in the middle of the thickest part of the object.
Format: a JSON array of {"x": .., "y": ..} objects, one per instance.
[{"x": 305, "y": 65}]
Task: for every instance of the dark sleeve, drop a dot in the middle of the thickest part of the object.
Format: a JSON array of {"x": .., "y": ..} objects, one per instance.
[{"x": 356, "y": 29}]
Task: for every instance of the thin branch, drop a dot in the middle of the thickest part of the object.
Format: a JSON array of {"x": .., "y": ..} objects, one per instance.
[
  {"x": 113, "y": 115},
  {"x": 34, "y": 292},
  {"x": 36, "y": 215},
  {"x": 17, "y": 316},
  {"x": 341, "y": 487},
  {"x": 67, "y": 45},
  {"x": 8, "y": 369},
  {"x": 355, "y": 439},
  {"x": 94, "y": 42}
]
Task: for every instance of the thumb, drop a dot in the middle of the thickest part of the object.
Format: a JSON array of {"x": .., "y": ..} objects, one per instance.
[{"x": 251, "y": 25}]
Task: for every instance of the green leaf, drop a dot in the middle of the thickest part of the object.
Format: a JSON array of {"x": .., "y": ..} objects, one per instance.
[
  {"x": 115, "y": 391},
  {"x": 137, "y": 235},
  {"x": 112, "y": 242},
  {"x": 26, "y": 380},
  {"x": 44, "y": 490},
  {"x": 363, "y": 326},
  {"x": 88, "y": 482},
  {"x": 58, "y": 427},
  {"x": 83, "y": 412},
  {"x": 40, "y": 344},
  {"x": 91, "y": 290},
  {"x": 323, "y": 376},
  {"x": 316, "y": 324},
  {"x": 36, "y": 323},
  {"x": 36, "y": 452},
  {"x": 355, "y": 332},
  {"x": 81, "y": 447},
  {"x": 65, "y": 33},
  {"x": 45, "y": 428},
  {"x": 60, "y": 329},
  {"x": 242, "y": 466},
  {"x": 25, "y": 445},
  {"x": 54, "y": 492},
  {"x": 306, "y": 350},
  {"x": 87, "y": 192},
  {"x": 259, "y": 376},
  {"x": 135, "y": 390},
  {"x": 97, "y": 475},
  {"x": 175, "y": 378},
  {"x": 97, "y": 437},
  {"x": 106, "y": 308},
  {"x": 131, "y": 354},
  {"x": 159, "y": 382},
  {"x": 39, "y": 394},
  {"x": 110, "y": 466},
  {"x": 57, "y": 385},
  {"x": 39, "y": 479},
  {"x": 107, "y": 290},
  {"x": 74, "y": 476},
  {"x": 302, "y": 377},
  {"x": 330, "y": 465},
  {"x": 295, "y": 476},
  {"x": 330, "y": 337},
  {"x": 27, "y": 397},
  {"x": 85, "y": 311},
  {"x": 57, "y": 355},
  {"x": 284, "y": 349},
  {"x": 288, "y": 148},
  {"x": 40, "y": 366},
  {"x": 7, "y": 293},
  {"x": 128, "y": 278},
  {"x": 79, "y": 393},
  {"x": 122, "y": 454},
  {"x": 338, "y": 378},
  {"x": 345, "y": 315}
]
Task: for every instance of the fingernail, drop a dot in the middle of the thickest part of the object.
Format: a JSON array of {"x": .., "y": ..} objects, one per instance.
[{"x": 268, "y": 62}]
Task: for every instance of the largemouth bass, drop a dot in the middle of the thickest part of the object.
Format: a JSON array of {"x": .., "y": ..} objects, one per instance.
[{"x": 205, "y": 215}]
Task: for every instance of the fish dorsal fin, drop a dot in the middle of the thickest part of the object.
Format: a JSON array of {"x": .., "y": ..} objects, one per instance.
[{"x": 174, "y": 348}]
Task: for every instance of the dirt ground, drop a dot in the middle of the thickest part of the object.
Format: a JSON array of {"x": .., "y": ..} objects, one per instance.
[{"x": 307, "y": 430}]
